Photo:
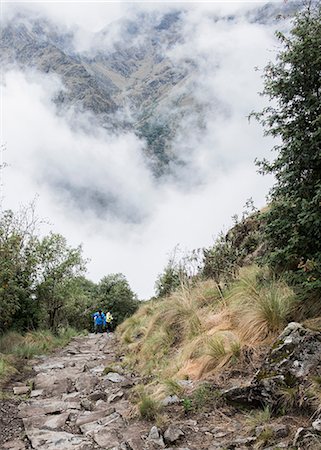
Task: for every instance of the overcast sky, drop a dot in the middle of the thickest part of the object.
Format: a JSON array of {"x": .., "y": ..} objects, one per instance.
[{"x": 152, "y": 216}]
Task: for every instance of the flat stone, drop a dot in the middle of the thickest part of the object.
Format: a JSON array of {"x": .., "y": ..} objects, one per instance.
[
  {"x": 56, "y": 421},
  {"x": 173, "y": 434},
  {"x": 21, "y": 390},
  {"x": 114, "y": 377},
  {"x": 170, "y": 400},
  {"x": 16, "y": 444},
  {"x": 98, "y": 395},
  {"x": 57, "y": 440},
  {"x": 90, "y": 427},
  {"x": 45, "y": 406},
  {"x": 105, "y": 438},
  {"x": 156, "y": 437},
  {"x": 87, "y": 416},
  {"x": 36, "y": 393},
  {"x": 48, "y": 366},
  {"x": 86, "y": 383},
  {"x": 115, "y": 397}
]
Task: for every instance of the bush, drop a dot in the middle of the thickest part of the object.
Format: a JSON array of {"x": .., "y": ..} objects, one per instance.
[{"x": 148, "y": 408}]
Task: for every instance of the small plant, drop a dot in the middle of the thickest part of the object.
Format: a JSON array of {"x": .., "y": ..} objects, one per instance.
[
  {"x": 206, "y": 396},
  {"x": 264, "y": 437},
  {"x": 260, "y": 417},
  {"x": 289, "y": 398},
  {"x": 173, "y": 387},
  {"x": 111, "y": 368},
  {"x": 148, "y": 408},
  {"x": 216, "y": 349},
  {"x": 187, "y": 405}
]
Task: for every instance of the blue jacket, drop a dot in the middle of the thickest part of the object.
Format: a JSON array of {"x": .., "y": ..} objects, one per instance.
[{"x": 99, "y": 319}]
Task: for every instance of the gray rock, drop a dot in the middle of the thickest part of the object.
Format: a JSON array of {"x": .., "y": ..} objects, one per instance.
[
  {"x": 173, "y": 434},
  {"x": 86, "y": 383},
  {"x": 316, "y": 425},
  {"x": 294, "y": 357},
  {"x": 115, "y": 397},
  {"x": 56, "y": 440},
  {"x": 88, "y": 416},
  {"x": 21, "y": 390},
  {"x": 170, "y": 400},
  {"x": 87, "y": 404},
  {"x": 97, "y": 395},
  {"x": 36, "y": 393},
  {"x": 279, "y": 430},
  {"x": 248, "y": 441},
  {"x": 106, "y": 439},
  {"x": 114, "y": 377},
  {"x": 49, "y": 366},
  {"x": 307, "y": 438},
  {"x": 56, "y": 421},
  {"x": 156, "y": 437},
  {"x": 16, "y": 444}
]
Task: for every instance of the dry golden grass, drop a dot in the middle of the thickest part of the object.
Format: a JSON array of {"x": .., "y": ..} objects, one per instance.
[{"x": 196, "y": 331}]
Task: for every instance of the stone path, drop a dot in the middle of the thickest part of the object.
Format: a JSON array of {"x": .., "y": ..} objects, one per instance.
[{"x": 75, "y": 405}]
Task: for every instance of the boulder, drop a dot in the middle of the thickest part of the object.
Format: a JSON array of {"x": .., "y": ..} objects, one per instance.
[{"x": 294, "y": 357}]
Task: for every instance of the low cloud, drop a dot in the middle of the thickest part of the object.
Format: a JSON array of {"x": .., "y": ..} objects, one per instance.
[{"x": 97, "y": 188}]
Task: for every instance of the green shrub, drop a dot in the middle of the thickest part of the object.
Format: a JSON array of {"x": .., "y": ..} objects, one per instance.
[{"x": 148, "y": 408}]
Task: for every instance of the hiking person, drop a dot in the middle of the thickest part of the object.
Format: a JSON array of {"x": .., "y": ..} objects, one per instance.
[
  {"x": 109, "y": 319},
  {"x": 99, "y": 321}
]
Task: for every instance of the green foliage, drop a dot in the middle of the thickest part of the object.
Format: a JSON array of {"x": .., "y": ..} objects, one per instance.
[
  {"x": 173, "y": 387},
  {"x": 169, "y": 280},
  {"x": 18, "y": 268},
  {"x": 259, "y": 417},
  {"x": 187, "y": 405},
  {"x": 114, "y": 294},
  {"x": 42, "y": 282},
  {"x": 221, "y": 260},
  {"x": 293, "y": 221},
  {"x": 148, "y": 408},
  {"x": 60, "y": 265}
]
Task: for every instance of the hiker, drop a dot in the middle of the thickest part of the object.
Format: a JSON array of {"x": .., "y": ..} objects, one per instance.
[
  {"x": 109, "y": 319},
  {"x": 99, "y": 321}
]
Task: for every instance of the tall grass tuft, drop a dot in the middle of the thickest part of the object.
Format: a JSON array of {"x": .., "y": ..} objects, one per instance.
[{"x": 198, "y": 330}]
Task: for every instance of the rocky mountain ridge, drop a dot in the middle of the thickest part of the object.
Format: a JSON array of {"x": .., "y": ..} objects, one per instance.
[{"x": 125, "y": 76}]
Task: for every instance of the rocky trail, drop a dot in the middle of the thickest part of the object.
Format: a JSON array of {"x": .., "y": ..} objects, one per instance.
[{"x": 79, "y": 399}]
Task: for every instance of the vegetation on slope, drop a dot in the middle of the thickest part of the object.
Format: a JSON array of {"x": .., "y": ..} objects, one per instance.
[
  {"x": 198, "y": 329},
  {"x": 228, "y": 309},
  {"x": 15, "y": 348}
]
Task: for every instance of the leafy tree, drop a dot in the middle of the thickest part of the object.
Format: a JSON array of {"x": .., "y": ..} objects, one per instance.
[
  {"x": 115, "y": 295},
  {"x": 221, "y": 260},
  {"x": 18, "y": 269},
  {"x": 168, "y": 281},
  {"x": 293, "y": 84},
  {"x": 59, "y": 266}
]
